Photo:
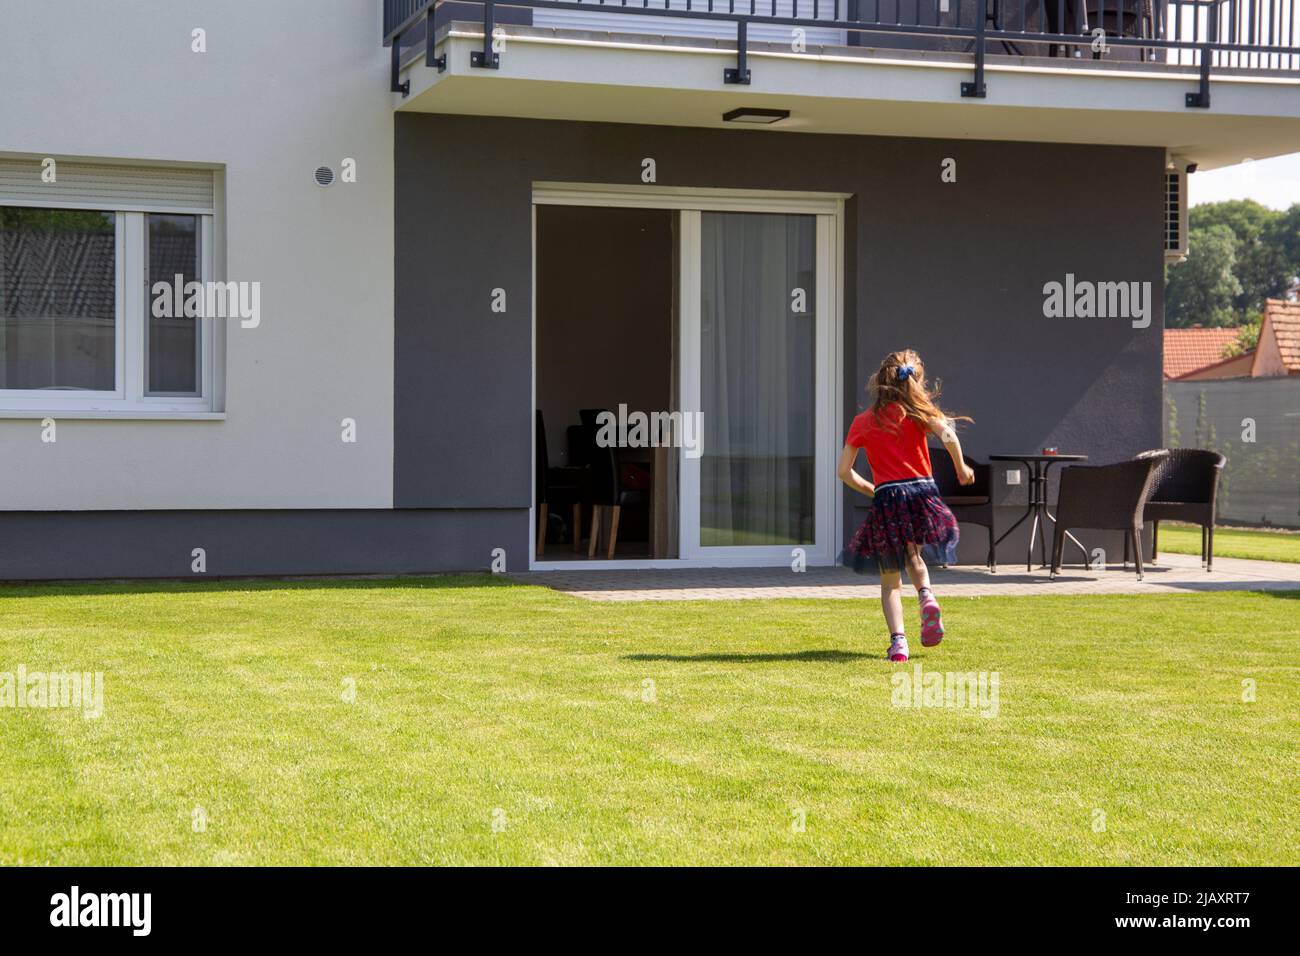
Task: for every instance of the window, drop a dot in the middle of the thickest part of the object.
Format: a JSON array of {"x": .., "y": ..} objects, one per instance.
[
  {"x": 58, "y": 300},
  {"x": 172, "y": 342},
  {"x": 80, "y": 328}
]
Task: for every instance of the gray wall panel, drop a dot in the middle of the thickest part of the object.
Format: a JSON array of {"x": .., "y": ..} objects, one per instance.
[
  {"x": 954, "y": 270},
  {"x": 158, "y": 544},
  {"x": 462, "y": 374}
]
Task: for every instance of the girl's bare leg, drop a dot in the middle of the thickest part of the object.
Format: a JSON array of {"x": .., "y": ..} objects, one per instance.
[
  {"x": 916, "y": 569},
  {"x": 891, "y": 600},
  {"x": 931, "y": 616}
]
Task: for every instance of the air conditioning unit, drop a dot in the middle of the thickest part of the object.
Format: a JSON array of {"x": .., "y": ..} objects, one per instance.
[{"x": 1175, "y": 211}]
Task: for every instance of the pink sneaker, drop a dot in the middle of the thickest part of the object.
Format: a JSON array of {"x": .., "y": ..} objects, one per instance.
[
  {"x": 931, "y": 620},
  {"x": 898, "y": 649}
]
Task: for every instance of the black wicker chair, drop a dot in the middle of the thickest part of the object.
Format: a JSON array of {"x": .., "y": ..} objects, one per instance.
[
  {"x": 970, "y": 503},
  {"x": 1106, "y": 498},
  {"x": 1185, "y": 488}
]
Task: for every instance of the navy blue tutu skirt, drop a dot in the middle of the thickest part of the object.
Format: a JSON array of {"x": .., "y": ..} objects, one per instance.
[{"x": 903, "y": 513}]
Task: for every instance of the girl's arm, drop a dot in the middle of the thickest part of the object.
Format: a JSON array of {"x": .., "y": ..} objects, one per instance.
[
  {"x": 943, "y": 430},
  {"x": 851, "y": 477}
]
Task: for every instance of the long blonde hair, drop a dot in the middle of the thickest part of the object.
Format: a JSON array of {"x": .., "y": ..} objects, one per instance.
[{"x": 901, "y": 380}]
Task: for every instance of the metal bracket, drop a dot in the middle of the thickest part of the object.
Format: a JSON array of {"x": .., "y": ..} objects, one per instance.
[
  {"x": 740, "y": 73},
  {"x": 431, "y": 59},
  {"x": 1201, "y": 98},
  {"x": 396, "y": 83},
  {"x": 977, "y": 89},
  {"x": 485, "y": 59}
]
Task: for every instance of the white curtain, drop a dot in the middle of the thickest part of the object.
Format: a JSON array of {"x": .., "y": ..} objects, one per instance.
[{"x": 758, "y": 342}]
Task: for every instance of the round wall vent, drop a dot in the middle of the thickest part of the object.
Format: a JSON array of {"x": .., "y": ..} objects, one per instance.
[{"x": 324, "y": 175}]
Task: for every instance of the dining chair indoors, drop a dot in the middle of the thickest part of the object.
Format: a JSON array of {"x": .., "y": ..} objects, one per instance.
[
  {"x": 559, "y": 486},
  {"x": 606, "y": 489}
]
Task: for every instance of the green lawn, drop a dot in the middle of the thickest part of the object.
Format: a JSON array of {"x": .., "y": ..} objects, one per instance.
[
  {"x": 1232, "y": 542},
  {"x": 500, "y": 723}
]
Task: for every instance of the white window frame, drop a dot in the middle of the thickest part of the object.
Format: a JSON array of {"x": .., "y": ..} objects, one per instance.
[
  {"x": 132, "y": 304},
  {"x": 205, "y": 339}
]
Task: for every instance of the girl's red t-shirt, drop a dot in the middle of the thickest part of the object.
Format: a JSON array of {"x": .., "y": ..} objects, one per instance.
[{"x": 893, "y": 453}]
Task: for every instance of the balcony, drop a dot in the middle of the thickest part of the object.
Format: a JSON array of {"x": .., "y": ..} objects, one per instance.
[{"x": 1215, "y": 81}]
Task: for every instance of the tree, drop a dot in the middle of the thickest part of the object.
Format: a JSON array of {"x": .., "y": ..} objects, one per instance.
[
  {"x": 1203, "y": 289},
  {"x": 1284, "y": 235},
  {"x": 1247, "y": 336},
  {"x": 1263, "y": 265}
]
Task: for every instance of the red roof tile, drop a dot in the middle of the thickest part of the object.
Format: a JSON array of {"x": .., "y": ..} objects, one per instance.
[
  {"x": 1284, "y": 317},
  {"x": 1186, "y": 350}
]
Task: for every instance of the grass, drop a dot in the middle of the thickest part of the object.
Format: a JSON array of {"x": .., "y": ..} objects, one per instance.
[
  {"x": 671, "y": 733},
  {"x": 1233, "y": 542},
  {"x": 741, "y": 537}
]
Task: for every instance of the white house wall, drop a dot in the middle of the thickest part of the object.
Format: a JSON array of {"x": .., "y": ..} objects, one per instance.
[{"x": 283, "y": 88}]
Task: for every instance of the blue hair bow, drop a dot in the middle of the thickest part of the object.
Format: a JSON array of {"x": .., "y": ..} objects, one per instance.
[{"x": 905, "y": 372}]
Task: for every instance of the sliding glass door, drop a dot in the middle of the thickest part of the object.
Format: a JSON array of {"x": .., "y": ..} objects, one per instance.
[{"x": 756, "y": 349}]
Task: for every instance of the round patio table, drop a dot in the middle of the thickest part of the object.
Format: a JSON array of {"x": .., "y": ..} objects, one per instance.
[{"x": 1038, "y": 467}]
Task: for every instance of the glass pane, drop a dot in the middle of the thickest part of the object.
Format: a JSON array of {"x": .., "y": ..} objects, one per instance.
[
  {"x": 58, "y": 299},
  {"x": 172, "y": 339},
  {"x": 758, "y": 347}
]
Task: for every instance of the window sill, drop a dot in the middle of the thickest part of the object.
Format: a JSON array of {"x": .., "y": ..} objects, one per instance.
[{"x": 133, "y": 414}]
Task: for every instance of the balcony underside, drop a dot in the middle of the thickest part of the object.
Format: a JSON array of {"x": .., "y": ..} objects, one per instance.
[{"x": 676, "y": 81}]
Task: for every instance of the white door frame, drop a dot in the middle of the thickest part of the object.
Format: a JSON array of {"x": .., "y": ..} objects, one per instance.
[
  {"x": 829, "y": 209},
  {"x": 825, "y": 442}
]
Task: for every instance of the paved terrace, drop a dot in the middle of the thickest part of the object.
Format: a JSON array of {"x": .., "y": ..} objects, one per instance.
[{"x": 1176, "y": 573}]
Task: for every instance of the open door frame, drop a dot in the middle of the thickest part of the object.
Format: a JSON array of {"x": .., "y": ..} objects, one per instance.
[{"x": 690, "y": 202}]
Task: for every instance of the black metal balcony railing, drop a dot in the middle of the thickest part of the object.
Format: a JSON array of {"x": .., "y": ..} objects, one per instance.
[{"x": 1256, "y": 36}]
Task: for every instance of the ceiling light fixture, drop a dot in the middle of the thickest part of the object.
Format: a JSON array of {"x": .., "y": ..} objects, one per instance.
[{"x": 748, "y": 114}]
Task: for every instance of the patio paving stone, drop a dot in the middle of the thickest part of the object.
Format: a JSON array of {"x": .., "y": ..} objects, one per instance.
[{"x": 1176, "y": 573}]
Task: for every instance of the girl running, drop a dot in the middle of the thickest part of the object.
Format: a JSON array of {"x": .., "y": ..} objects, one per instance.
[{"x": 908, "y": 522}]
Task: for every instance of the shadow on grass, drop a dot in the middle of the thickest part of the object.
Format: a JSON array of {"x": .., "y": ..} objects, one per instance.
[
  {"x": 818, "y": 657},
  {"x": 17, "y": 589}
]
